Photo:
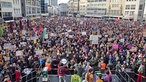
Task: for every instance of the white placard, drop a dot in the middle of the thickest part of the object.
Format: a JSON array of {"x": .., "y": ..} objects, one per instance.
[
  {"x": 122, "y": 40},
  {"x": 23, "y": 43},
  {"x": 84, "y": 33},
  {"x": 9, "y": 46},
  {"x": 71, "y": 36},
  {"x": 38, "y": 52},
  {"x": 46, "y": 36},
  {"x": 94, "y": 39},
  {"x": 19, "y": 53},
  {"x": 34, "y": 38}
]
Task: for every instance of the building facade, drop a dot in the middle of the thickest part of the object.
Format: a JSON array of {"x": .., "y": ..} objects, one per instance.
[
  {"x": 53, "y": 10},
  {"x": 6, "y": 9},
  {"x": 63, "y": 9},
  {"x": 96, "y": 7},
  {"x": 31, "y": 8},
  {"x": 134, "y": 9},
  {"x": 74, "y": 7},
  {"x": 17, "y": 9},
  {"x": 83, "y": 7},
  {"x": 44, "y": 7},
  {"x": 53, "y": 2},
  {"x": 115, "y": 8}
]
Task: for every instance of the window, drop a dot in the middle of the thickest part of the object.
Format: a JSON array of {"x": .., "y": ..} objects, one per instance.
[
  {"x": 115, "y": 5},
  {"x": 133, "y": 7},
  {"x": 14, "y": 1},
  {"x": 127, "y": 12},
  {"x": 7, "y": 14},
  {"x": 127, "y": 7},
  {"x": 140, "y": 13},
  {"x": 132, "y": 13},
  {"x": 6, "y": 5},
  {"x": 140, "y": 7}
]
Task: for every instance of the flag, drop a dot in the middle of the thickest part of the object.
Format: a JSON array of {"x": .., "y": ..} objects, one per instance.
[
  {"x": 44, "y": 33},
  {"x": 40, "y": 29},
  {"x": 1, "y": 31}
]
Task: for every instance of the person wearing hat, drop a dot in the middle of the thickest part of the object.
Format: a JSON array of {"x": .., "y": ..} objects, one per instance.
[{"x": 48, "y": 65}]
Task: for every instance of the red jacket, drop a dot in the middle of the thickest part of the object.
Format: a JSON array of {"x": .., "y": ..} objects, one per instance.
[
  {"x": 61, "y": 71},
  {"x": 17, "y": 75}
]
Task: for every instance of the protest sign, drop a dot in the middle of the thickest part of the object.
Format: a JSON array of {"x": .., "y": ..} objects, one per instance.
[
  {"x": 38, "y": 52},
  {"x": 23, "y": 43},
  {"x": 83, "y": 33},
  {"x": 46, "y": 36},
  {"x": 71, "y": 36},
  {"x": 34, "y": 38},
  {"x": 133, "y": 49},
  {"x": 94, "y": 39},
  {"x": 19, "y": 53},
  {"x": 115, "y": 46},
  {"x": 122, "y": 40},
  {"x": 23, "y": 32},
  {"x": 9, "y": 46}
]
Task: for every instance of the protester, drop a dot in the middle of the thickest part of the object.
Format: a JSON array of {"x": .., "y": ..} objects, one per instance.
[
  {"x": 140, "y": 72},
  {"x": 83, "y": 42},
  {"x": 61, "y": 72},
  {"x": 99, "y": 78},
  {"x": 89, "y": 77},
  {"x": 75, "y": 77},
  {"x": 108, "y": 77},
  {"x": 17, "y": 75}
]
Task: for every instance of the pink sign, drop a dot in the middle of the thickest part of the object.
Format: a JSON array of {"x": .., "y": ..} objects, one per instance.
[{"x": 115, "y": 46}]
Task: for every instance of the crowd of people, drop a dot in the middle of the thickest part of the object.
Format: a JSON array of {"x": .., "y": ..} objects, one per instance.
[{"x": 88, "y": 45}]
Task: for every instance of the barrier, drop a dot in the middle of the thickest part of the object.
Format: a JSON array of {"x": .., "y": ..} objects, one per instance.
[
  {"x": 123, "y": 75},
  {"x": 54, "y": 78}
]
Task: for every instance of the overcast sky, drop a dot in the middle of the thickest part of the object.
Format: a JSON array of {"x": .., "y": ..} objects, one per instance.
[{"x": 63, "y": 1}]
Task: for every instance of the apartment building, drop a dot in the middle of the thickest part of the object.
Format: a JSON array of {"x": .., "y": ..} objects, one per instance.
[
  {"x": 53, "y": 2},
  {"x": 31, "y": 8},
  {"x": 44, "y": 7},
  {"x": 17, "y": 9},
  {"x": 96, "y": 7},
  {"x": 73, "y": 6},
  {"x": 83, "y": 7},
  {"x": 134, "y": 9},
  {"x": 6, "y": 9},
  {"x": 115, "y": 8},
  {"x": 63, "y": 9}
]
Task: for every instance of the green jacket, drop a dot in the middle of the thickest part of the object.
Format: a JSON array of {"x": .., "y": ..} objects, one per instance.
[{"x": 75, "y": 78}]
